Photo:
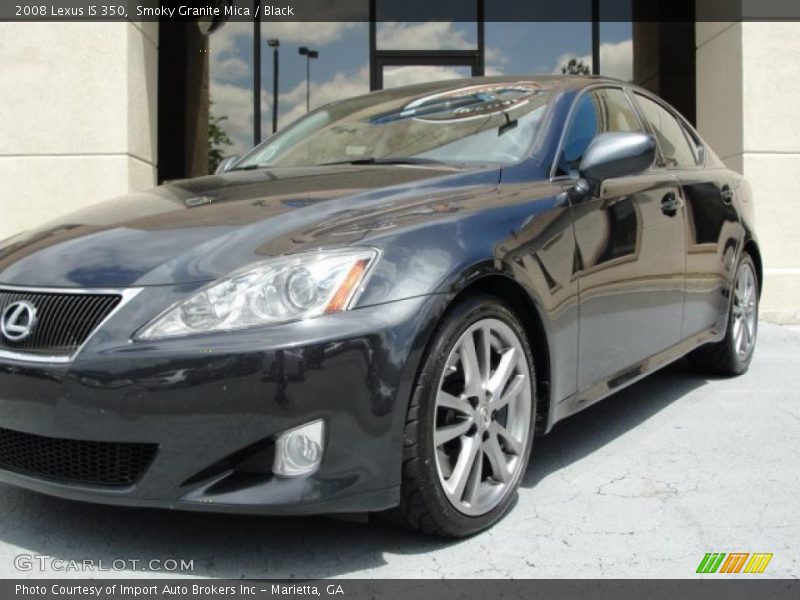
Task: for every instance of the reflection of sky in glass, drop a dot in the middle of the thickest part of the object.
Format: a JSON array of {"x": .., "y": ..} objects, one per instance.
[{"x": 342, "y": 69}]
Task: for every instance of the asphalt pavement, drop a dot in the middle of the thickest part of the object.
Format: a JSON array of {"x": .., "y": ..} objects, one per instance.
[{"x": 641, "y": 485}]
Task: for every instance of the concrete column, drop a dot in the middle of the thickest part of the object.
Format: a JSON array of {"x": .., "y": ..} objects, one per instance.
[
  {"x": 664, "y": 62},
  {"x": 77, "y": 118},
  {"x": 747, "y": 91}
]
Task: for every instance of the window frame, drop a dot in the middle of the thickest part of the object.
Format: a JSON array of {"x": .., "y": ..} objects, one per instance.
[
  {"x": 691, "y": 137},
  {"x": 571, "y": 115}
]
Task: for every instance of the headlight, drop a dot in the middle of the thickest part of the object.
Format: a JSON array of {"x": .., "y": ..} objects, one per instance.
[{"x": 277, "y": 290}]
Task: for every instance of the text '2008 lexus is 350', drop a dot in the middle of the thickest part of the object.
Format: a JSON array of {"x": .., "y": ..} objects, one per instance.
[{"x": 379, "y": 309}]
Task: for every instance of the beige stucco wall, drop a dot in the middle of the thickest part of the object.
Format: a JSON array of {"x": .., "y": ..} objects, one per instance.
[
  {"x": 77, "y": 116},
  {"x": 747, "y": 90}
]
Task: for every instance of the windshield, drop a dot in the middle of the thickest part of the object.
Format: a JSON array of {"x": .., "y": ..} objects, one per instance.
[{"x": 487, "y": 123}]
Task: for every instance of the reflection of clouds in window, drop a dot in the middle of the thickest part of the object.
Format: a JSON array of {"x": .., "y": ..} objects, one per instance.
[
  {"x": 483, "y": 123},
  {"x": 409, "y": 75},
  {"x": 432, "y": 35},
  {"x": 231, "y": 82},
  {"x": 532, "y": 48},
  {"x": 340, "y": 85},
  {"x": 342, "y": 66},
  {"x": 616, "y": 60}
]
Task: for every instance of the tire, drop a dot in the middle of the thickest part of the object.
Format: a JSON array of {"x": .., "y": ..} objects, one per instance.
[
  {"x": 733, "y": 354},
  {"x": 439, "y": 495}
]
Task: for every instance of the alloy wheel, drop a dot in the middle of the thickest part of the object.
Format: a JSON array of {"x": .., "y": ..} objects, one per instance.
[
  {"x": 482, "y": 417},
  {"x": 745, "y": 314}
]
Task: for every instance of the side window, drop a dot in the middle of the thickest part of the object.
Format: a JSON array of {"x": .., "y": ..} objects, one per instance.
[
  {"x": 670, "y": 134},
  {"x": 696, "y": 145},
  {"x": 600, "y": 111}
]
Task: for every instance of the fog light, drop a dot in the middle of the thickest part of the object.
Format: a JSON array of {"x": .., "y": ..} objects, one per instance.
[{"x": 299, "y": 451}]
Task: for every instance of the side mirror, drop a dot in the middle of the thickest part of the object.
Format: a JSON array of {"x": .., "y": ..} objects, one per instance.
[
  {"x": 617, "y": 155},
  {"x": 227, "y": 164}
]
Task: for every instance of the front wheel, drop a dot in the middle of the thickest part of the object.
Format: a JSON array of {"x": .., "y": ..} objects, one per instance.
[
  {"x": 733, "y": 354},
  {"x": 469, "y": 428}
]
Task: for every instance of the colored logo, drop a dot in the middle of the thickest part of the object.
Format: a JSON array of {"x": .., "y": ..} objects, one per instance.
[{"x": 734, "y": 562}]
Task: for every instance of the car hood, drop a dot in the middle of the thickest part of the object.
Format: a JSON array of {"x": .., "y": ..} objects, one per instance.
[{"x": 200, "y": 229}]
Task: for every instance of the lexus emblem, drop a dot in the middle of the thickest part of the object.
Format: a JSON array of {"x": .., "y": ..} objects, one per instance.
[{"x": 17, "y": 321}]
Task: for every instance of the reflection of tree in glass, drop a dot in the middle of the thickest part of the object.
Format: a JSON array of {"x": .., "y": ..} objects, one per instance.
[
  {"x": 218, "y": 141},
  {"x": 575, "y": 67}
]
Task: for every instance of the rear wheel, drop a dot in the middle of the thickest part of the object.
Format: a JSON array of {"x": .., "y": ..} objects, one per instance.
[
  {"x": 733, "y": 354},
  {"x": 469, "y": 428}
]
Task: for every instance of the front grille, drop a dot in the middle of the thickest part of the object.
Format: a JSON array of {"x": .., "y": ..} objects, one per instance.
[
  {"x": 107, "y": 464},
  {"x": 63, "y": 320}
]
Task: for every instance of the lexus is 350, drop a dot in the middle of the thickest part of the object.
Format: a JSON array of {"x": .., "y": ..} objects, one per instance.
[{"x": 379, "y": 309}]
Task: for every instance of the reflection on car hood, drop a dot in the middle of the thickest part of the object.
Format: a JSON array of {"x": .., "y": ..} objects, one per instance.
[{"x": 199, "y": 229}]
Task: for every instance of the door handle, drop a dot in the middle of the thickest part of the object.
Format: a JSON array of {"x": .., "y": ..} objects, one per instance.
[
  {"x": 670, "y": 204},
  {"x": 727, "y": 194}
]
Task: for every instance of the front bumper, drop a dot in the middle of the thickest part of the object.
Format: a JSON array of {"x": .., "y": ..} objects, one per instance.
[{"x": 208, "y": 401}]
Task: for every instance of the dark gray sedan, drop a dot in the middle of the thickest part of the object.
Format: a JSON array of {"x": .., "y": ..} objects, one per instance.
[{"x": 379, "y": 309}]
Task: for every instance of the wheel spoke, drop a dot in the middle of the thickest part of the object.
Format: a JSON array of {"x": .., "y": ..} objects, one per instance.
[
  {"x": 480, "y": 432},
  {"x": 497, "y": 459},
  {"x": 486, "y": 353},
  {"x": 738, "y": 328},
  {"x": 457, "y": 403},
  {"x": 744, "y": 310},
  {"x": 472, "y": 371},
  {"x": 515, "y": 387},
  {"x": 746, "y": 336},
  {"x": 473, "y": 487},
  {"x": 461, "y": 471},
  {"x": 499, "y": 379},
  {"x": 451, "y": 432},
  {"x": 511, "y": 442}
]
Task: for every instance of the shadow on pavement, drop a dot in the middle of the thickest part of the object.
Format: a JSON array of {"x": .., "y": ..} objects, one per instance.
[
  {"x": 246, "y": 546},
  {"x": 591, "y": 429}
]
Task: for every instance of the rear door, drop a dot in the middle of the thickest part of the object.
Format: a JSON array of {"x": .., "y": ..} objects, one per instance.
[
  {"x": 712, "y": 224},
  {"x": 630, "y": 253}
]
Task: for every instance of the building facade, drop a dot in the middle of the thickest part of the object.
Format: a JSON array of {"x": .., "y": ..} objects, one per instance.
[{"x": 90, "y": 111}]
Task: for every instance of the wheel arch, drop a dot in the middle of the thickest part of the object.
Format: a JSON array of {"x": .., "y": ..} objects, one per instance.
[
  {"x": 524, "y": 307},
  {"x": 751, "y": 247}
]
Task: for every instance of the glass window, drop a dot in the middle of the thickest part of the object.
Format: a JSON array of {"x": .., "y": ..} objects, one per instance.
[
  {"x": 492, "y": 123},
  {"x": 426, "y": 35},
  {"x": 230, "y": 73},
  {"x": 338, "y": 67},
  {"x": 694, "y": 142},
  {"x": 397, "y": 76},
  {"x": 674, "y": 146},
  {"x": 600, "y": 111},
  {"x": 538, "y": 47},
  {"x": 616, "y": 39},
  {"x": 439, "y": 25}
]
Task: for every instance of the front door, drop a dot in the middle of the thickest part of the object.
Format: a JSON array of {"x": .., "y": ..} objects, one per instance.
[
  {"x": 630, "y": 259},
  {"x": 630, "y": 252}
]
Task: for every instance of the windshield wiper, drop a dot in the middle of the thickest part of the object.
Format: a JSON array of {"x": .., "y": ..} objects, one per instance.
[
  {"x": 249, "y": 167},
  {"x": 387, "y": 160}
]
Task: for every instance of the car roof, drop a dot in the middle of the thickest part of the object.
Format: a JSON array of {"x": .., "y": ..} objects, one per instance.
[{"x": 563, "y": 82}]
